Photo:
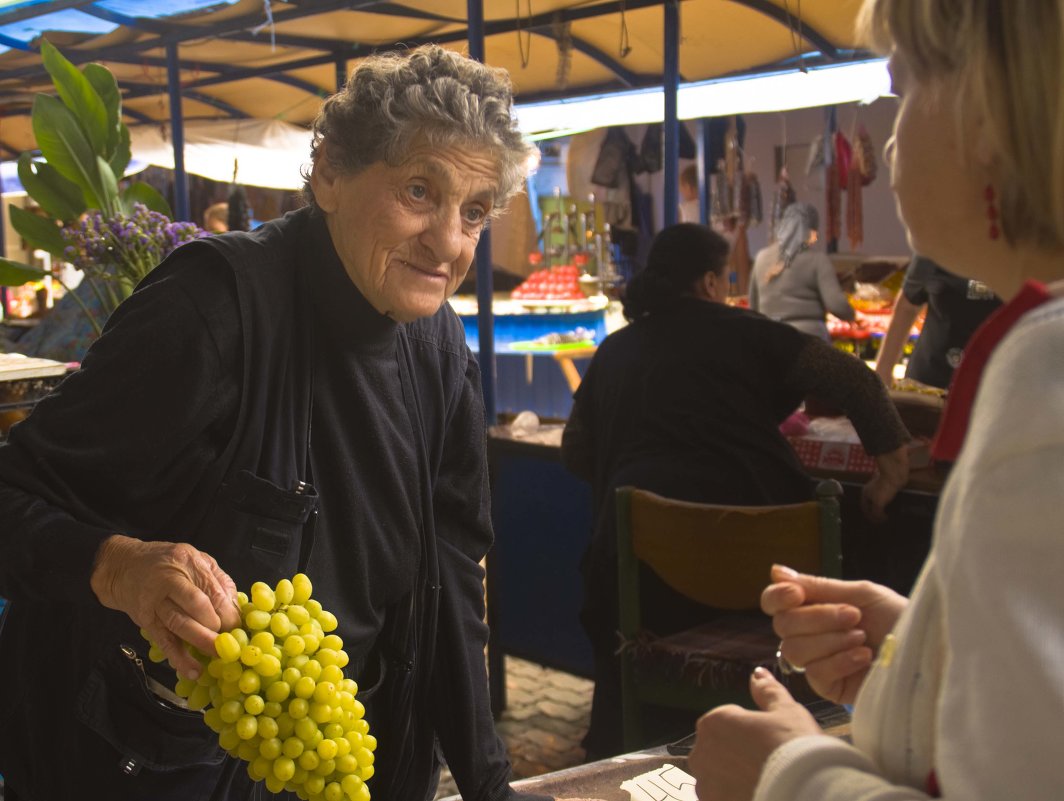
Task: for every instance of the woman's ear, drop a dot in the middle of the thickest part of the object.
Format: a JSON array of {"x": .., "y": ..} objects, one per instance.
[{"x": 324, "y": 181}]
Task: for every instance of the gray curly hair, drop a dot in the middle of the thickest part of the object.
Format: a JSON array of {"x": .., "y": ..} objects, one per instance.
[{"x": 393, "y": 100}]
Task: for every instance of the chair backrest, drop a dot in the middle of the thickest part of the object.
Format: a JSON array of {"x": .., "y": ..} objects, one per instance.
[{"x": 720, "y": 555}]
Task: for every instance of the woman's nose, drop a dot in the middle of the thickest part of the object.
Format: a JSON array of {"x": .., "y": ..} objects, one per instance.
[{"x": 444, "y": 236}]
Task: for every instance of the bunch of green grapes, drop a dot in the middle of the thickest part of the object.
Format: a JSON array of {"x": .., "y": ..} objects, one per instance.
[{"x": 276, "y": 695}]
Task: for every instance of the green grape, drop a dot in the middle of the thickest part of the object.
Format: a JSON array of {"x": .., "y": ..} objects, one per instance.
[
  {"x": 284, "y": 591},
  {"x": 326, "y": 657},
  {"x": 343, "y": 658},
  {"x": 263, "y": 640},
  {"x": 334, "y": 731},
  {"x": 270, "y": 748},
  {"x": 328, "y": 621},
  {"x": 257, "y": 620},
  {"x": 247, "y": 727},
  {"x": 278, "y": 691},
  {"x": 230, "y": 689},
  {"x": 155, "y": 654},
  {"x": 262, "y": 596},
  {"x": 215, "y": 667},
  {"x": 301, "y": 588},
  {"x": 250, "y": 655},
  {"x": 268, "y": 666},
  {"x": 366, "y": 773},
  {"x": 351, "y": 784},
  {"x": 280, "y": 625},
  {"x": 292, "y": 747},
  {"x": 232, "y": 671},
  {"x": 309, "y": 760},
  {"x": 320, "y": 713},
  {"x": 332, "y": 673},
  {"x": 312, "y": 668},
  {"x": 314, "y": 784},
  {"x": 273, "y": 784},
  {"x": 231, "y": 711},
  {"x": 272, "y": 710},
  {"x": 241, "y": 598},
  {"x": 364, "y": 757},
  {"x": 268, "y": 728},
  {"x": 290, "y": 675},
  {"x": 199, "y": 698},
  {"x": 254, "y": 704},
  {"x": 285, "y": 725},
  {"x": 228, "y": 738},
  {"x": 370, "y": 742},
  {"x": 310, "y": 640},
  {"x": 305, "y": 687},
  {"x": 305, "y": 729},
  {"x": 297, "y": 614},
  {"x": 349, "y": 686},
  {"x": 254, "y": 772},
  {"x": 298, "y": 708},
  {"x": 249, "y": 682},
  {"x": 248, "y": 750},
  {"x": 184, "y": 687},
  {"x": 346, "y": 763},
  {"x": 227, "y": 646},
  {"x": 293, "y": 645},
  {"x": 312, "y": 606},
  {"x": 325, "y": 767},
  {"x": 241, "y": 636},
  {"x": 334, "y": 792},
  {"x": 213, "y": 719},
  {"x": 327, "y": 749},
  {"x": 332, "y": 642}
]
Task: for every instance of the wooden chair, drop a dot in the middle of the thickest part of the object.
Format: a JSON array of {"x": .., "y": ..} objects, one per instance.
[{"x": 719, "y": 556}]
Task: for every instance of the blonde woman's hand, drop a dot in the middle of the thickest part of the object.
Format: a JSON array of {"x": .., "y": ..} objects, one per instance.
[
  {"x": 831, "y": 628},
  {"x": 732, "y": 743}
]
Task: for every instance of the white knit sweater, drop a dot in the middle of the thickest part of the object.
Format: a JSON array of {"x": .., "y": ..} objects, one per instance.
[{"x": 975, "y": 686}]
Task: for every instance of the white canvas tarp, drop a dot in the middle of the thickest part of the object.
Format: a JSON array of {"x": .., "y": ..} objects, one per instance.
[{"x": 268, "y": 153}]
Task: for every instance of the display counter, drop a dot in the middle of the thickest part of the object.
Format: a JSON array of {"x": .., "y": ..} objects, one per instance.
[{"x": 527, "y": 335}]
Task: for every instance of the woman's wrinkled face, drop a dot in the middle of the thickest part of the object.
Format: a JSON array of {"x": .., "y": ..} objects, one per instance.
[
  {"x": 939, "y": 192},
  {"x": 407, "y": 233}
]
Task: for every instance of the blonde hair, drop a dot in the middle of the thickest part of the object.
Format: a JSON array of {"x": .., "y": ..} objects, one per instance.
[{"x": 1006, "y": 62}]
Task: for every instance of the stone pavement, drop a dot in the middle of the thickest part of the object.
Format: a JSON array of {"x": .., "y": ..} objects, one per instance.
[{"x": 546, "y": 716}]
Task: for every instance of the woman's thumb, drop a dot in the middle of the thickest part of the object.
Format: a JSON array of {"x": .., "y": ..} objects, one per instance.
[{"x": 766, "y": 690}]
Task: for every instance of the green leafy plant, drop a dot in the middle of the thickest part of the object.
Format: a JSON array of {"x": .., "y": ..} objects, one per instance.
[{"x": 85, "y": 147}]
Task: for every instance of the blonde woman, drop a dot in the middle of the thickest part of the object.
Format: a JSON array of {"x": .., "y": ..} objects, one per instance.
[{"x": 959, "y": 691}]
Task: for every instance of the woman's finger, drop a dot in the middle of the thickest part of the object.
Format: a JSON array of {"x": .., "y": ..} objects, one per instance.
[
  {"x": 803, "y": 651},
  {"x": 173, "y": 615},
  {"x": 816, "y": 619}
]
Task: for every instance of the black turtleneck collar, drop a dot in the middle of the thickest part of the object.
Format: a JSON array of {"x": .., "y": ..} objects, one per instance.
[{"x": 338, "y": 304}]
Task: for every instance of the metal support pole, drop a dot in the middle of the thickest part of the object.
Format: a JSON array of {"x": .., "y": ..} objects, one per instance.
[
  {"x": 177, "y": 135},
  {"x": 485, "y": 315},
  {"x": 702, "y": 146},
  {"x": 341, "y": 73},
  {"x": 672, "y": 124},
  {"x": 831, "y": 114}
]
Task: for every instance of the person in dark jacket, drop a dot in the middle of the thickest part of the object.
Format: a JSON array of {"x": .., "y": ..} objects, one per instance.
[
  {"x": 299, "y": 398},
  {"x": 686, "y": 401}
]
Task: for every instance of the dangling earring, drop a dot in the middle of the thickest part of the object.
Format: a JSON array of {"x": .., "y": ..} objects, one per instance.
[{"x": 991, "y": 211}]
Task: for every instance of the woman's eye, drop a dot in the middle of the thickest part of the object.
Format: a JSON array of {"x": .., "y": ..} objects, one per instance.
[
  {"x": 475, "y": 215},
  {"x": 418, "y": 191}
]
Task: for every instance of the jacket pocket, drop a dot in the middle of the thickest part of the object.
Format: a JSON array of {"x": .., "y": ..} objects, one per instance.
[
  {"x": 258, "y": 531},
  {"x": 147, "y": 731}
]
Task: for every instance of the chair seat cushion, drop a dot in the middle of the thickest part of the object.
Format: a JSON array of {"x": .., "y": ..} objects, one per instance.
[{"x": 718, "y": 654}]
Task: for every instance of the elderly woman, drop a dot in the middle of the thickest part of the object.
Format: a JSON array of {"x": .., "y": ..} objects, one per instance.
[
  {"x": 958, "y": 690},
  {"x": 296, "y": 399},
  {"x": 687, "y": 401},
  {"x": 793, "y": 283}
]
